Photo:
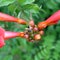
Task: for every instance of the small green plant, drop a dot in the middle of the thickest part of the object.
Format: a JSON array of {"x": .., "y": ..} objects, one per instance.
[{"x": 46, "y": 46}]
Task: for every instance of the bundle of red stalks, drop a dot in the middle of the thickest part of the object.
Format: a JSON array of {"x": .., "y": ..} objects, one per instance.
[{"x": 32, "y": 32}]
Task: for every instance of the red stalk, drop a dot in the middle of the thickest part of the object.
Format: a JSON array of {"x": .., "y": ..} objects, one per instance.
[
  {"x": 2, "y": 37},
  {"x": 9, "y": 34},
  {"x": 54, "y": 18},
  {"x": 8, "y": 18},
  {"x": 50, "y": 21},
  {"x": 2, "y": 43}
]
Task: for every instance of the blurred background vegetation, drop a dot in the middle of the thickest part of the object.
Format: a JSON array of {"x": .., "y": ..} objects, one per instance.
[{"x": 48, "y": 48}]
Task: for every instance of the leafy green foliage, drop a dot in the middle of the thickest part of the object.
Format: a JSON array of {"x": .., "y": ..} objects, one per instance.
[
  {"x": 6, "y": 2},
  {"x": 19, "y": 48},
  {"x": 24, "y": 2}
]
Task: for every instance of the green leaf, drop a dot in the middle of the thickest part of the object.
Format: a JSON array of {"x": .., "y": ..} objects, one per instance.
[
  {"x": 33, "y": 8},
  {"x": 58, "y": 1},
  {"x": 36, "y": 58},
  {"x": 6, "y": 2},
  {"x": 51, "y": 4},
  {"x": 9, "y": 57},
  {"x": 12, "y": 9},
  {"x": 24, "y": 2}
]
